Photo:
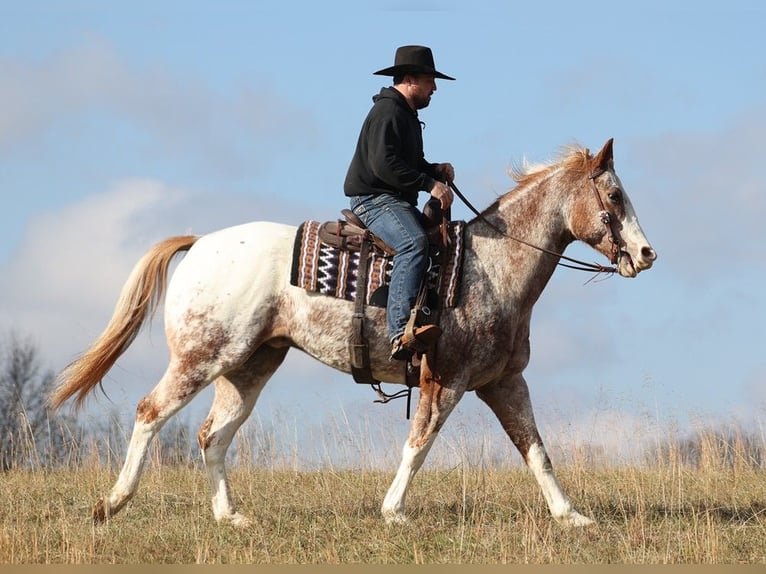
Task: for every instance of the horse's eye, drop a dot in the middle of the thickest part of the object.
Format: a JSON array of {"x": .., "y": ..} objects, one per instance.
[{"x": 615, "y": 196}]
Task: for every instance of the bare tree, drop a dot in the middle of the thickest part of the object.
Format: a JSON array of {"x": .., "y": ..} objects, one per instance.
[{"x": 29, "y": 434}]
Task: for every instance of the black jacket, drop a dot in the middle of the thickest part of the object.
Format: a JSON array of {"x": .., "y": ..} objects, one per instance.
[{"x": 389, "y": 153}]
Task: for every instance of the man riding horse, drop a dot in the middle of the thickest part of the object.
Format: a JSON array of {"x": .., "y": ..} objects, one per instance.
[{"x": 387, "y": 171}]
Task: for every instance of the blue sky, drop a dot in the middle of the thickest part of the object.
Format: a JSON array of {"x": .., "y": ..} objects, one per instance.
[{"x": 123, "y": 123}]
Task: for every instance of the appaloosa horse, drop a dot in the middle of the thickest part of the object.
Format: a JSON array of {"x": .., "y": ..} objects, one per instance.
[{"x": 231, "y": 315}]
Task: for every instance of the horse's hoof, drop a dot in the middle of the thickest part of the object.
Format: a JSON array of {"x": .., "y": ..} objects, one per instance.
[
  {"x": 99, "y": 512},
  {"x": 576, "y": 519},
  {"x": 236, "y": 519},
  {"x": 241, "y": 521},
  {"x": 394, "y": 518}
]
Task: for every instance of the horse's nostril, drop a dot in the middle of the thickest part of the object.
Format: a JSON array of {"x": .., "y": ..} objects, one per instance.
[{"x": 648, "y": 253}]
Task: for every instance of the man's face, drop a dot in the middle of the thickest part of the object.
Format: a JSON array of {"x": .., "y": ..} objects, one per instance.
[{"x": 421, "y": 88}]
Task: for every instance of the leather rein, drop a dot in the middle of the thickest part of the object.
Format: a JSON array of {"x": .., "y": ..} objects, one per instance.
[{"x": 579, "y": 265}]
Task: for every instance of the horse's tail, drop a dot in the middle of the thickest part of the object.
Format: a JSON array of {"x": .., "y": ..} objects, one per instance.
[{"x": 138, "y": 300}]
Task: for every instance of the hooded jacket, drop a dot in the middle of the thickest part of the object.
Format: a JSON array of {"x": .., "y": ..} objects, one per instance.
[{"x": 389, "y": 153}]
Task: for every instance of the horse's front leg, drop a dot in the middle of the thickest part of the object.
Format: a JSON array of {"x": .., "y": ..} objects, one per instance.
[
  {"x": 435, "y": 403},
  {"x": 509, "y": 400}
]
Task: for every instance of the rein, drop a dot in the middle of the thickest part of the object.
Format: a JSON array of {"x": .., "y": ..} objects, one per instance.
[{"x": 578, "y": 264}]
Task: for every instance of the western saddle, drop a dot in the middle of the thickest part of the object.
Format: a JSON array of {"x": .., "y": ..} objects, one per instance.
[{"x": 351, "y": 234}]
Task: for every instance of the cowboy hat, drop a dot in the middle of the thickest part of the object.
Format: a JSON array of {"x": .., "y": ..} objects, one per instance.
[{"x": 413, "y": 60}]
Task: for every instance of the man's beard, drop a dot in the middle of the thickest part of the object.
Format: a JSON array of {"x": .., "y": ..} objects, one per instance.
[{"x": 423, "y": 101}]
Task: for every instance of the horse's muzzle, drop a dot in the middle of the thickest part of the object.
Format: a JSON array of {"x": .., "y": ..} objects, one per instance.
[{"x": 628, "y": 266}]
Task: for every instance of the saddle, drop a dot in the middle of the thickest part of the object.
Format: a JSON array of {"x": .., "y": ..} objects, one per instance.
[
  {"x": 349, "y": 235},
  {"x": 353, "y": 235}
]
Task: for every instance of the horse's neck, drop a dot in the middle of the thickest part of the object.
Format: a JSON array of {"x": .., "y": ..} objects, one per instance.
[{"x": 533, "y": 214}]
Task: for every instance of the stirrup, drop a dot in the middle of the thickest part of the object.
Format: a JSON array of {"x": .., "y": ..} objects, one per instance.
[
  {"x": 400, "y": 352},
  {"x": 417, "y": 340}
]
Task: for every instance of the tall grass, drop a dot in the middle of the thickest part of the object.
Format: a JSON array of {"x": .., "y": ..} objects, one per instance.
[{"x": 696, "y": 500}]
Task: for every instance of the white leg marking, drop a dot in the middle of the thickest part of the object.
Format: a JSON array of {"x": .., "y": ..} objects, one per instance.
[
  {"x": 231, "y": 406},
  {"x": 223, "y": 508},
  {"x": 558, "y": 503},
  {"x": 130, "y": 475},
  {"x": 412, "y": 460}
]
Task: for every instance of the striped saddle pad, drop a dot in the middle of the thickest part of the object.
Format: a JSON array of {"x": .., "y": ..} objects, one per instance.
[{"x": 324, "y": 269}]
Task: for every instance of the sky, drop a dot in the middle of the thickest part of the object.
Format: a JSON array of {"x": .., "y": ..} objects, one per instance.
[{"x": 127, "y": 122}]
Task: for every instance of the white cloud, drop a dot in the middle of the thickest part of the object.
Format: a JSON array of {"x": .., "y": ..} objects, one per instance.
[
  {"x": 61, "y": 285},
  {"x": 80, "y": 255}
]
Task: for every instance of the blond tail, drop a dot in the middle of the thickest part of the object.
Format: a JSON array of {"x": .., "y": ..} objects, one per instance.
[{"x": 139, "y": 298}]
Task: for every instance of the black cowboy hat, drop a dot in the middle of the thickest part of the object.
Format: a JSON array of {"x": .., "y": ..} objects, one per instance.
[{"x": 413, "y": 60}]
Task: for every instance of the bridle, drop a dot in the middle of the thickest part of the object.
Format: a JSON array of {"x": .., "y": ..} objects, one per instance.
[
  {"x": 577, "y": 264},
  {"x": 605, "y": 216}
]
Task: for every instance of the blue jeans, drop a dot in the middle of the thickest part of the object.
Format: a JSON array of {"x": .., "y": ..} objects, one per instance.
[{"x": 397, "y": 223}]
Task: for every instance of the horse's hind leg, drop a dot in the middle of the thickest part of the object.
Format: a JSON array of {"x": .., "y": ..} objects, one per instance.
[
  {"x": 509, "y": 400},
  {"x": 171, "y": 394},
  {"x": 235, "y": 397}
]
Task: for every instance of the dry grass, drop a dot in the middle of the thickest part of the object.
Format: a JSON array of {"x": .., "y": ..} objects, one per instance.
[{"x": 663, "y": 512}]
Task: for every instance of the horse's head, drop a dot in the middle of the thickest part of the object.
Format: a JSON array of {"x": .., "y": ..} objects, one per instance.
[{"x": 604, "y": 217}]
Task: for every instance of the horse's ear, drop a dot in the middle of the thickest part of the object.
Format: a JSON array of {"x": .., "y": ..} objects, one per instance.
[{"x": 603, "y": 160}]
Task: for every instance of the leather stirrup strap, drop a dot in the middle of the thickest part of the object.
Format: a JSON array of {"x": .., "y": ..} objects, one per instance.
[{"x": 358, "y": 347}]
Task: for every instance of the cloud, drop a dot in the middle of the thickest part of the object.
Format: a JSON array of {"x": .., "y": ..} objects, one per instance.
[
  {"x": 61, "y": 284},
  {"x": 703, "y": 195},
  {"x": 181, "y": 118},
  {"x": 79, "y": 255},
  {"x": 63, "y": 281}
]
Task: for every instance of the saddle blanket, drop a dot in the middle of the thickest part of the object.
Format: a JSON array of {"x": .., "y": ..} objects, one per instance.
[{"x": 324, "y": 269}]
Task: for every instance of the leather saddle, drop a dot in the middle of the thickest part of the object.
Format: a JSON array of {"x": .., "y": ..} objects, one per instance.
[
  {"x": 350, "y": 234},
  {"x": 353, "y": 235}
]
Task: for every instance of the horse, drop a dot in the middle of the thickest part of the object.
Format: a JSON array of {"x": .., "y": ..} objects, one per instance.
[{"x": 231, "y": 316}]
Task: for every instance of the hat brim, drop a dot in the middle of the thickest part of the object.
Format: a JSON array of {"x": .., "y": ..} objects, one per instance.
[{"x": 411, "y": 69}]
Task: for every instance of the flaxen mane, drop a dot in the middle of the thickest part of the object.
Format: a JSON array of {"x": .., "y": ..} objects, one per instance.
[{"x": 573, "y": 158}]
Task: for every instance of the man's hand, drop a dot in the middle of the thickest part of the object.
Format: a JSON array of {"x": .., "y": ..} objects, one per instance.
[
  {"x": 443, "y": 193},
  {"x": 445, "y": 172}
]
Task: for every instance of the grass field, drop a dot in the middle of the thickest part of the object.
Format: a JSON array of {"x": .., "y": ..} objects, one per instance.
[{"x": 658, "y": 512}]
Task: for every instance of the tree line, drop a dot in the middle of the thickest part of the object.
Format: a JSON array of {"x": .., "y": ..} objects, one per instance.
[{"x": 33, "y": 436}]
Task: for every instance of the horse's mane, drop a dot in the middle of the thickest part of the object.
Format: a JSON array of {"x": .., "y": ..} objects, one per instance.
[{"x": 572, "y": 157}]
